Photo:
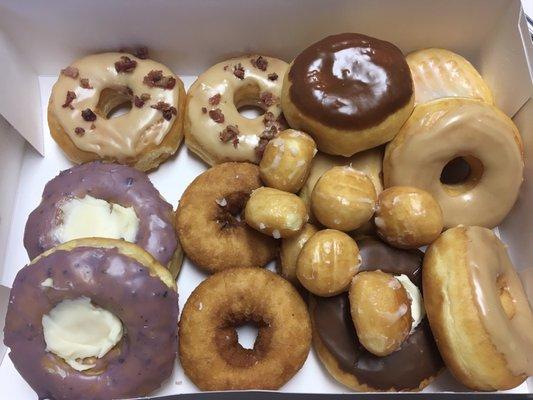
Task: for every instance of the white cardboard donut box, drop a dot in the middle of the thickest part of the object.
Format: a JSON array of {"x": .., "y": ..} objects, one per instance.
[{"x": 38, "y": 38}]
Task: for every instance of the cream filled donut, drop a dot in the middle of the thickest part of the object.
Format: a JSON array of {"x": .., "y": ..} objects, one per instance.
[
  {"x": 441, "y": 73},
  {"x": 214, "y": 128},
  {"x": 89, "y": 90},
  {"x": 443, "y": 134}
]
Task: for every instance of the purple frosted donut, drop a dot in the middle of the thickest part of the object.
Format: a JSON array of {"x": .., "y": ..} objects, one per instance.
[
  {"x": 124, "y": 189},
  {"x": 134, "y": 287}
]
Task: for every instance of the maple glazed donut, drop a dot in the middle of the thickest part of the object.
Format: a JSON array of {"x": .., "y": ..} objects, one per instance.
[
  {"x": 89, "y": 90},
  {"x": 100, "y": 199},
  {"x": 349, "y": 91},
  {"x": 209, "y": 350},
  {"x": 210, "y": 220},
  {"x": 214, "y": 129},
  {"x": 89, "y": 319},
  {"x": 478, "y": 310},
  {"x": 442, "y": 133}
]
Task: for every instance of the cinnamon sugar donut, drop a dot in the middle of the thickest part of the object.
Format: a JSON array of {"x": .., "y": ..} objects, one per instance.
[
  {"x": 209, "y": 223},
  {"x": 87, "y": 92},
  {"x": 209, "y": 350}
]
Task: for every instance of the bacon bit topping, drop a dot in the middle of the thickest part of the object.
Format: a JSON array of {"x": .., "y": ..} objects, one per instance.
[
  {"x": 138, "y": 101},
  {"x": 214, "y": 100},
  {"x": 84, "y": 83},
  {"x": 155, "y": 78},
  {"x": 71, "y": 72},
  {"x": 125, "y": 64},
  {"x": 68, "y": 100},
  {"x": 216, "y": 115},
  {"x": 141, "y": 52},
  {"x": 267, "y": 135},
  {"x": 145, "y": 97},
  {"x": 230, "y": 134},
  {"x": 260, "y": 63},
  {"x": 226, "y": 67},
  {"x": 268, "y": 99},
  {"x": 204, "y": 110},
  {"x": 273, "y": 76},
  {"x": 166, "y": 109},
  {"x": 79, "y": 131},
  {"x": 238, "y": 71},
  {"x": 88, "y": 115}
]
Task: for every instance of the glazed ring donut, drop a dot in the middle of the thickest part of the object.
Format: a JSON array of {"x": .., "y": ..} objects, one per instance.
[
  {"x": 87, "y": 92},
  {"x": 210, "y": 220},
  {"x": 208, "y": 344},
  {"x": 410, "y": 368},
  {"x": 350, "y": 92},
  {"x": 441, "y": 73},
  {"x": 104, "y": 200},
  {"x": 131, "y": 285},
  {"x": 477, "y": 308},
  {"x": 214, "y": 129},
  {"x": 451, "y": 129}
]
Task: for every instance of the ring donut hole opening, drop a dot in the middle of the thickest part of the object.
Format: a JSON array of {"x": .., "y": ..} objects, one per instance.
[
  {"x": 230, "y": 209},
  {"x": 247, "y": 101},
  {"x": 114, "y": 102},
  {"x": 231, "y": 349},
  {"x": 461, "y": 174},
  {"x": 506, "y": 299}
]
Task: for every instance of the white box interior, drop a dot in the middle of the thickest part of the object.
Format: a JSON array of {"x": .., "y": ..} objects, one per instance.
[{"x": 37, "y": 39}]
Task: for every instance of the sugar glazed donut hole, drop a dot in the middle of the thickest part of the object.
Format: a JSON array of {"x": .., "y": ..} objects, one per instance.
[
  {"x": 408, "y": 217},
  {"x": 83, "y": 100},
  {"x": 381, "y": 311},
  {"x": 466, "y": 153},
  {"x": 478, "y": 310},
  {"x": 343, "y": 199},
  {"x": 327, "y": 263},
  {"x": 214, "y": 128},
  {"x": 210, "y": 220},
  {"x": 209, "y": 350},
  {"x": 287, "y": 160},
  {"x": 349, "y": 91},
  {"x": 132, "y": 289},
  {"x": 290, "y": 250},
  {"x": 275, "y": 213}
]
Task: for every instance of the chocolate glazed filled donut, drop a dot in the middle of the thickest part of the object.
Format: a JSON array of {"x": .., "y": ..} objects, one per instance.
[
  {"x": 410, "y": 368},
  {"x": 100, "y": 199},
  {"x": 111, "y": 276}
]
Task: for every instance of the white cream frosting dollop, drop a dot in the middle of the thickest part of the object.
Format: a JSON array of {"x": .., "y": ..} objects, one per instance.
[
  {"x": 91, "y": 217},
  {"x": 417, "y": 303},
  {"x": 76, "y": 329}
]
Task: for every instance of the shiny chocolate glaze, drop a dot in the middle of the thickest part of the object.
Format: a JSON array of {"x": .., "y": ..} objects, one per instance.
[
  {"x": 115, "y": 183},
  {"x": 418, "y": 357},
  {"x": 350, "y": 81},
  {"x": 147, "y": 308}
]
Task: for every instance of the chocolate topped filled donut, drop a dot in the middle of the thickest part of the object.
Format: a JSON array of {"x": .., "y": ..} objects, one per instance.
[{"x": 351, "y": 92}]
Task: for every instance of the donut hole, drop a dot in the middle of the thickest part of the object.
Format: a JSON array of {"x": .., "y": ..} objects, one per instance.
[
  {"x": 114, "y": 102},
  {"x": 248, "y": 102},
  {"x": 506, "y": 300},
  {"x": 461, "y": 174},
  {"x": 230, "y": 209}
]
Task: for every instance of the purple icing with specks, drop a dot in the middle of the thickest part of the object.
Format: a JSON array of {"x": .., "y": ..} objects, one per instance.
[
  {"x": 148, "y": 309},
  {"x": 114, "y": 183}
]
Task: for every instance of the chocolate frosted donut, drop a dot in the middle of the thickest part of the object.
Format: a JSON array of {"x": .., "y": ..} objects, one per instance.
[
  {"x": 117, "y": 276},
  {"x": 410, "y": 368},
  {"x": 125, "y": 190},
  {"x": 351, "y": 92}
]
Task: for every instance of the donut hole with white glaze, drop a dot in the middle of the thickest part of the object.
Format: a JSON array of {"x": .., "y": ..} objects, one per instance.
[
  {"x": 461, "y": 174},
  {"x": 114, "y": 102}
]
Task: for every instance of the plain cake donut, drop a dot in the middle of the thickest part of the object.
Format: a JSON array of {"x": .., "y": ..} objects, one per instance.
[
  {"x": 209, "y": 349},
  {"x": 445, "y": 130}
]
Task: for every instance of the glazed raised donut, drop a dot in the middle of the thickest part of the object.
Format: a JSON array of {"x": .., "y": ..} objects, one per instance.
[
  {"x": 107, "y": 200},
  {"x": 214, "y": 128},
  {"x": 448, "y": 129},
  {"x": 351, "y": 92},
  {"x": 87, "y": 92},
  {"x": 210, "y": 220},
  {"x": 441, "y": 73},
  {"x": 410, "y": 368},
  {"x": 209, "y": 350},
  {"x": 81, "y": 286},
  {"x": 477, "y": 308}
]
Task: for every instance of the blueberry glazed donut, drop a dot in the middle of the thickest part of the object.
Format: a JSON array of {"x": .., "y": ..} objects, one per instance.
[
  {"x": 214, "y": 129},
  {"x": 93, "y": 319},
  {"x": 107, "y": 200},
  {"x": 89, "y": 90}
]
